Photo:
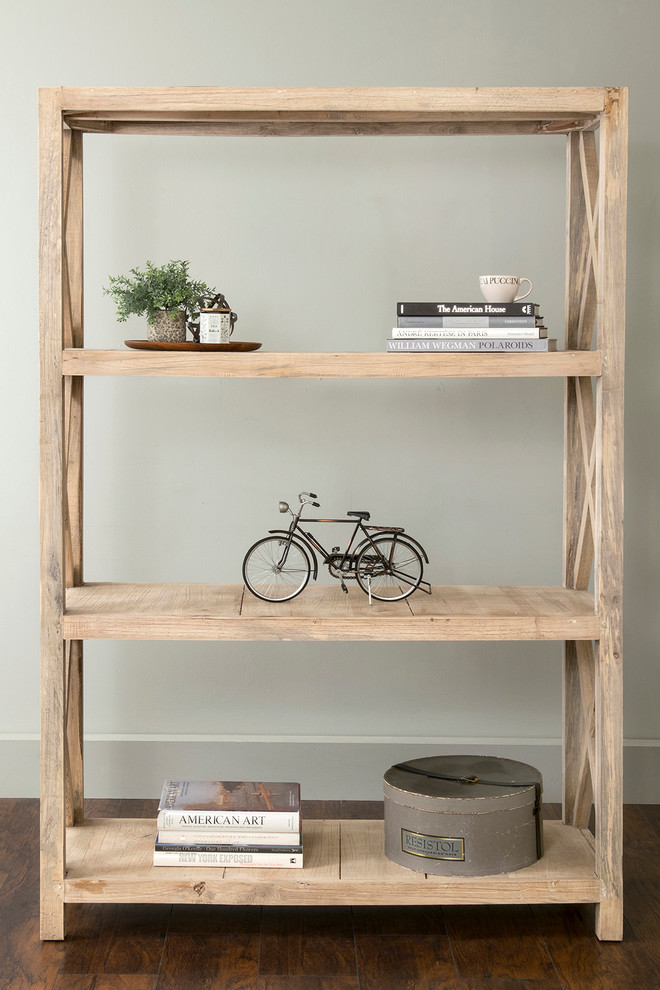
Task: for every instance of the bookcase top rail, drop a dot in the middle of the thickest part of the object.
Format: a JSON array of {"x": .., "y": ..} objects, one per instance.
[{"x": 397, "y": 110}]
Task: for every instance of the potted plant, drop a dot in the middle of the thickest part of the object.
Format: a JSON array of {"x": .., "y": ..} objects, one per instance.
[{"x": 167, "y": 296}]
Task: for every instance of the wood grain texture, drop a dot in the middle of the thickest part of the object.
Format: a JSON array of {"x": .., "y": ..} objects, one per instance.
[
  {"x": 582, "y": 203},
  {"x": 580, "y": 415},
  {"x": 74, "y": 718},
  {"x": 229, "y": 612},
  {"x": 105, "y": 981},
  {"x": 608, "y": 785},
  {"x": 273, "y": 364},
  {"x": 551, "y": 102},
  {"x": 575, "y": 107},
  {"x": 582, "y": 962},
  {"x": 581, "y": 466},
  {"x": 490, "y": 948},
  {"x": 582, "y": 470},
  {"x": 502, "y": 946},
  {"x": 579, "y": 732},
  {"x": 110, "y": 860},
  {"x": 425, "y": 962},
  {"x": 309, "y": 941},
  {"x": 73, "y": 336},
  {"x": 215, "y": 962},
  {"x": 596, "y": 249},
  {"x": 642, "y": 876},
  {"x": 124, "y": 938},
  {"x": 51, "y": 428},
  {"x": 436, "y": 127}
]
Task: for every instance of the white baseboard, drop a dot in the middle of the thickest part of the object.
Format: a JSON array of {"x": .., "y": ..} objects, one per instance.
[{"x": 350, "y": 769}]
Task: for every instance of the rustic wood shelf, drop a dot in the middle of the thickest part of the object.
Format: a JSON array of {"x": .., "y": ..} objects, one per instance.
[
  {"x": 230, "y": 612},
  {"x": 332, "y": 111},
  {"x": 344, "y": 862},
  {"x": 270, "y": 364}
]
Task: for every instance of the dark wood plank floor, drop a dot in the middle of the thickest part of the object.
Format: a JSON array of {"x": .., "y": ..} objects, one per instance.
[{"x": 182, "y": 947}]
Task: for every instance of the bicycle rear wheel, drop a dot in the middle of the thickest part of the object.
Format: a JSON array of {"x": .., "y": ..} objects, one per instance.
[
  {"x": 276, "y": 570},
  {"x": 390, "y": 569}
]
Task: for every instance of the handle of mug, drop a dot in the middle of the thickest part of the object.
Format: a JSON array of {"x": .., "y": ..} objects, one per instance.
[{"x": 524, "y": 294}]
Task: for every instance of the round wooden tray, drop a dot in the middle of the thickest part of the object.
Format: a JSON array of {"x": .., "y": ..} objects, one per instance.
[{"x": 189, "y": 345}]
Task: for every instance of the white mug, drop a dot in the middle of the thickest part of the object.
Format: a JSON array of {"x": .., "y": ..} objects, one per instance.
[{"x": 503, "y": 288}]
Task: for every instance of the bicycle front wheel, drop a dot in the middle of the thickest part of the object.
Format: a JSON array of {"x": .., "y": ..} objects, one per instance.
[
  {"x": 276, "y": 570},
  {"x": 389, "y": 568}
]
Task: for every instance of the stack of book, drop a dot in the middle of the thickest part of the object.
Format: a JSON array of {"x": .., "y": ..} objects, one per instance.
[
  {"x": 229, "y": 823},
  {"x": 515, "y": 327}
]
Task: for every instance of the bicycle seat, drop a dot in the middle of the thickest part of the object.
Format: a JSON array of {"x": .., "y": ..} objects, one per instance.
[{"x": 359, "y": 515}]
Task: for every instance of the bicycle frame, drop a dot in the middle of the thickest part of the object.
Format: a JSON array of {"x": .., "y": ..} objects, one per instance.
[{"x": 343, "y": 560}]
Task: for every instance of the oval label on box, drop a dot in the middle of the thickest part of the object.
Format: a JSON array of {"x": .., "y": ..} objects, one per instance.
[{"x": 432, "y": 846}]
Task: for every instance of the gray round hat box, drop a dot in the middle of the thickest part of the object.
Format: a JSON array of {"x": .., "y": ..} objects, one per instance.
[{"x": 463, "y": 815}]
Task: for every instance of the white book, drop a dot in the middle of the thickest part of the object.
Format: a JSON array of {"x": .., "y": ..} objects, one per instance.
[
  {"x": 282, "y": 861},
  {"x": 234, "y": 806},
  {"x": 444, "y": 333},
  {"x": 227, "y": 837},
  {"x": 426, "y": 345}
]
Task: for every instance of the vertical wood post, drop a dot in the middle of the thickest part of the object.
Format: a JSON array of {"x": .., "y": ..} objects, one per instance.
[
  {"x": 73, "y": 336},
  {"x": 51, "y": 428},
  {"x": 608, "y": 789},
  {"x": 582, "y": 177}
]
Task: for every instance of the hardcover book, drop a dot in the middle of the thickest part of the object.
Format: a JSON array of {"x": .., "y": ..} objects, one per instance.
[
  {"x": 465, "y": 344},
  {"x": 231, "y": 805},
  {"x": 227, "y": 837},
  {"x": 247, "y": 847},
  {"x": 507, "y": 333},
  {"x": 466, "y": 309},
  {"x": 463, "y": 322},
  {"x": 286, "y": 861}
]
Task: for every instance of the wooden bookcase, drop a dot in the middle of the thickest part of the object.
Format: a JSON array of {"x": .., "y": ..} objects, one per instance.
[{"x": 110, "y": 860}]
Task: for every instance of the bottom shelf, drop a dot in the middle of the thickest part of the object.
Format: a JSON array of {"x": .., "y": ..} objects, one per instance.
[{"x": 109, "y": 860}]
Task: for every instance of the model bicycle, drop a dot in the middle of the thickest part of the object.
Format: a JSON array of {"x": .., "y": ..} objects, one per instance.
[{"x": 386, "y": 563}]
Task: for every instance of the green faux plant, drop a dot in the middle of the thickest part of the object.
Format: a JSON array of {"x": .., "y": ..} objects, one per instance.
[{"x": 148, "y": 291}]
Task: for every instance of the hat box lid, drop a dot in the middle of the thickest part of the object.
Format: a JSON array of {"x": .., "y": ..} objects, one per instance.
[{"x": 463, "y": 784}]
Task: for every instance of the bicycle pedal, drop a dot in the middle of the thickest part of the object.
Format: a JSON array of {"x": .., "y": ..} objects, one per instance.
[{"x": 344, "y": 588}]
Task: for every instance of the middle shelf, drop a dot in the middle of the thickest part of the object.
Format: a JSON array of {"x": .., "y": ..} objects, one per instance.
[{"x": 324, "y": 612}]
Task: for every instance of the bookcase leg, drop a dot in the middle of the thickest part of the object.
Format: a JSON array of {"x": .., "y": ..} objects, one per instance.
[
  {"x": 52, "y": 809},
  {"x": 609, "y": 919},
  {"x": 608, "y": 782},
  {"x": 73, "y": 336},
  {"x": 51, "y": 419},
  {"x": 53, "y": 924},
  {"x": 608, "y": 785}
]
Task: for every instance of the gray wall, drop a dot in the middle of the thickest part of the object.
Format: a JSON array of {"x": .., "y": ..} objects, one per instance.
[{"x": 313, "y": 241}]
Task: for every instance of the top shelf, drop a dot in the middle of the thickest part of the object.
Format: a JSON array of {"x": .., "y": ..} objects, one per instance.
[
  {"x": 273, "y": 364},
  {"x": 314, "y": 111}
]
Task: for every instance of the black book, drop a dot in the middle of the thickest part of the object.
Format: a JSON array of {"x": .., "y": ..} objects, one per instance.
[
  {"x": 466, "y": 309},
  {"x": 223, "y": 847}
]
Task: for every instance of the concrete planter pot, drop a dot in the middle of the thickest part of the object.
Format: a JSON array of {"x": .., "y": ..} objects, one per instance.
[{"x": 167, "y": 329}]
